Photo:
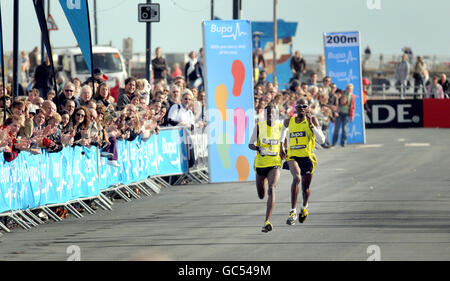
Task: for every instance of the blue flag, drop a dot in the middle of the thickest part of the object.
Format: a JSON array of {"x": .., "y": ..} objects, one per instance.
[{"x": 77, "y": 15}]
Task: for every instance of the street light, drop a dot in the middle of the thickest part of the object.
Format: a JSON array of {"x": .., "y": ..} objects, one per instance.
[{"x": 275, "y": 39}]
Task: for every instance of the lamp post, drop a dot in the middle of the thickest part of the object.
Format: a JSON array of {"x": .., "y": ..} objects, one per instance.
[{"x": 275, "y": 39}]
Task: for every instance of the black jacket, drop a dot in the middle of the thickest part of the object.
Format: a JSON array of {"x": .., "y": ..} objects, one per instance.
[
  {"x": 159, "y": 65},
  {"x": 43, "y": 76}
]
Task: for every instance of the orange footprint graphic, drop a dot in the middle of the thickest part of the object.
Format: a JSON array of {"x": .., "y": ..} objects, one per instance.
[
  {"x": 221, "y": 97},
  {"x": 243, "y": 168},
  {"x": 238, "y": 71}
]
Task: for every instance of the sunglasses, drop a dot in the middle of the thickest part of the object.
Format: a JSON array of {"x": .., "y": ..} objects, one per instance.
[
  {"x": 80, "y": 115},
  {"x": 302, "y": 106},
  {"x": 68, "y": 91}
]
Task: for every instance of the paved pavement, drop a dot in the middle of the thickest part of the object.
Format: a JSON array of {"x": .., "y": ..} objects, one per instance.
[{"x": 388, "y": 199}]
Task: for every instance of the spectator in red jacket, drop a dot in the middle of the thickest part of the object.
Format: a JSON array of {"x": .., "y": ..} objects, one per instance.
[{"x": 12, "y": 150}]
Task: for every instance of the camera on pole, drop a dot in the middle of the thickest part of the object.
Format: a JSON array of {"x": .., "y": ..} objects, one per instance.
[{"x": 148, "y": 12}]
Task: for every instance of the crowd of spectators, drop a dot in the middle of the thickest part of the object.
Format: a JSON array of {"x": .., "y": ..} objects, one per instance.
[{"x": 87, "y": 114}]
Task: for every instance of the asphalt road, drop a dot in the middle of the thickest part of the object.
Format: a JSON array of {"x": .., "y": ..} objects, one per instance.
[{"x": 388, "y": 200}]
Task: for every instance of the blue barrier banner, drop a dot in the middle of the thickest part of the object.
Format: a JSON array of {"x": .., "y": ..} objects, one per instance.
[
  {"x": 170, "y": 153},
  {"x": 7, "y": 187},
  {"x": 54, "y": 183},
  {"x": 34, "y": 172},
  {"x": 229, "y": 86},
  {"x": 5, "y": 177},
  {"x": 68, "y": 170},
  {"x": 343, "y": 64},
  {"x": 89, "y": 172},
  {"x": 125, "y": 161},
  {"x": 32, "y": 181}
]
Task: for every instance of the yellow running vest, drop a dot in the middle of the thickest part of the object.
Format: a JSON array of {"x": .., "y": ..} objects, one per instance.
[
  {"x": 269, "y": 142},
  {"x": 301, "y": 140}
]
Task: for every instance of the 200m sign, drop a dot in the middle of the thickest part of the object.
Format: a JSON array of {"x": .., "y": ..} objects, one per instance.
[{"x": 341, "y": 40}]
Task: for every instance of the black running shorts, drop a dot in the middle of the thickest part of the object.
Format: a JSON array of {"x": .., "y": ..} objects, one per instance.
[
  {"x": 306, "y": 165},
  {"x": 265, "y": 171}
]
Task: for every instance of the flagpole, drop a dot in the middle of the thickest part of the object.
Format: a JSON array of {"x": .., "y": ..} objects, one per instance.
[
  {"x": 40, "y": 13},
  {"x": 42, "y": 42},
  {"x": 15, "y": 85},
  {"x": 90, "y": 44},
  {"x": 2, "y": 66}
]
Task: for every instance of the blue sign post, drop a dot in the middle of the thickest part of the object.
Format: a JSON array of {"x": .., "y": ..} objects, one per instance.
[{"x": 343, "y": 64}]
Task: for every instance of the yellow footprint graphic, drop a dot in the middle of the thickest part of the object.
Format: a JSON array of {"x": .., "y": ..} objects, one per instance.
[{"x": 221, "y": 97}]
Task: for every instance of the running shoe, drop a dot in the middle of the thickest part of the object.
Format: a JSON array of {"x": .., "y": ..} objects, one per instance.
[
  {"x": 303, "y": 215},
  {"x": 292, "y": 218},
  {"x": 267, "y": 227}
]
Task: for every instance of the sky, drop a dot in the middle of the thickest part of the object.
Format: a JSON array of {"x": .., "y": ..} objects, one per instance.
[{"x": 385, "y": 25}]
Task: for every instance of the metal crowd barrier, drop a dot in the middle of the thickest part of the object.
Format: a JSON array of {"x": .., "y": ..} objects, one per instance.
[
  {"x": 157, "y": 157},
  {"x": 197, "y": 154}
]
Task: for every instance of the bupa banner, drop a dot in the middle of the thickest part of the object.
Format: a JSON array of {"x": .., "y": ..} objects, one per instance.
[
  {"x": 343, "y": 65},
  {"x": 15, "y": 192},
  {"x": 77, "y": 14},
  {"x": 132, "y": 162},
  {"x": 395, "y": 114},
  {"x": 31, "y": 181},
  {"x": 162, "y": 154},
  {"x": 170, "y": 153},
  {"x": 78, "y": 172},
  {"x": 229, "y": 85}
]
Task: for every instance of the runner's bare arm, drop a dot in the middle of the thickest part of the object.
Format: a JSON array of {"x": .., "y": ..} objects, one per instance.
[
  {"x": 317, "y": 130},
  {"x": 253, "y": 140}
]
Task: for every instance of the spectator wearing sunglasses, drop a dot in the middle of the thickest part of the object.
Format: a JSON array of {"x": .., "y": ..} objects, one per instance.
[
  {"x": 68, "y": 93},
  {"x": 181, "y": 114}
]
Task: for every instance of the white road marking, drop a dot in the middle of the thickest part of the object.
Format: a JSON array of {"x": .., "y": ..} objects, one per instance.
[
  {"x": 371, "y": 146},
  {"x": 401, "y": 140},
  {"x": 417, "y": 144}
]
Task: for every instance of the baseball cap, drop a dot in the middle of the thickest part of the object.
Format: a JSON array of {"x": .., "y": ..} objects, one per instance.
[{"x": 99, "y": 71}]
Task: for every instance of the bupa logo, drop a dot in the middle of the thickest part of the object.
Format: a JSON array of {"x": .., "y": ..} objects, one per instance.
[
  {"x": 227, "y": 31},
  {"x": 221, "y": 29},
  {"x": 74, "y": 4},
  {"x": 168, "y": 147},
  {"x": 298, "y": 135}
]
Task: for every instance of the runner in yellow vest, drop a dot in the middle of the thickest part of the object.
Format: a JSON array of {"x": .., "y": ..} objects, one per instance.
[
  {"x": 266, "y": 141},
  {"x": 302, "y": 131}
]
